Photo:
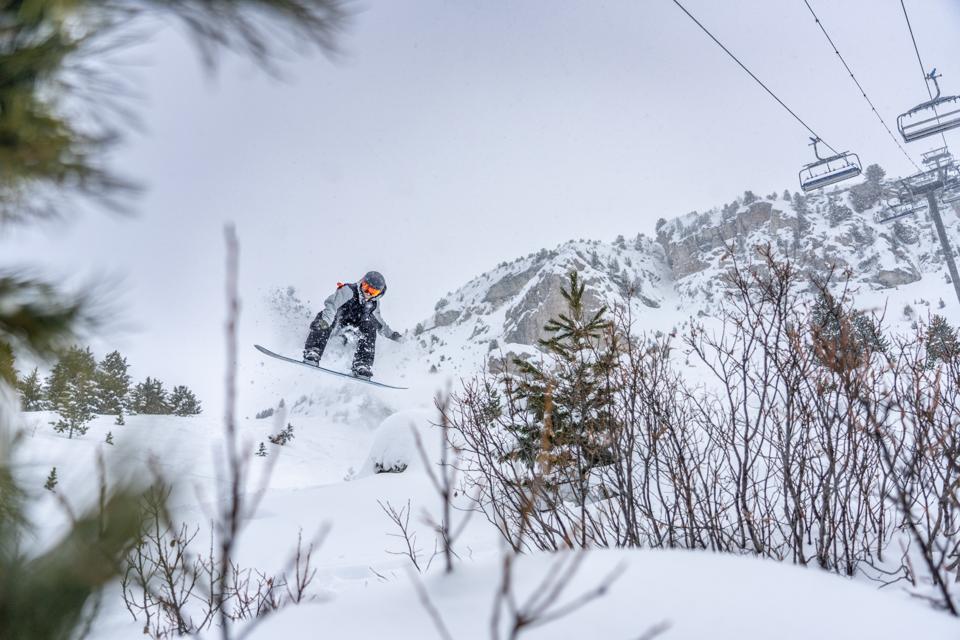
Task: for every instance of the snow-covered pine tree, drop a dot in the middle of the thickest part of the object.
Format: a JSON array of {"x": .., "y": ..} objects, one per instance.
[
  {"x": 943, "y": 342},
  {"x": 76, "y": 406},
  {"x": 114, "y": 383},
  {"x": 183, "y": 402},
  {"x": 31, "y": 392},
  {"x": 262, "y": 451},
  {"x": 75, "y": 363},
  {"x": 149, "y": 397},
  {"x": 868, "y": 193},
  {"x": 843, "y": 337},
  {"x": 109, "y": 438}
]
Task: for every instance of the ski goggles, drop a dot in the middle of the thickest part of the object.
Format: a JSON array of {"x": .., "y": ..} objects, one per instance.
[{"x": 373, "y": 292}]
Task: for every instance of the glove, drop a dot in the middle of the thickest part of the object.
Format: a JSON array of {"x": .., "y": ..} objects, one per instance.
[
  {"x": 319, "y": 323},
  {"x": 395, "y": 336}
]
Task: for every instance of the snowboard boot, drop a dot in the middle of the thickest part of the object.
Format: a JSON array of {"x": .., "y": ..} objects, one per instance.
[
  {"x": 312, "y": 356},
  {"x": 362, "y": 371}
]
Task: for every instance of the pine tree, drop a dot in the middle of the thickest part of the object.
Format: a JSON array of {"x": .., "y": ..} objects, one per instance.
[
  {"x": 76, "y": 406},
  {"x": 31, "y": 392},
  {"x": 8, "y": 373},
  {"x": 120, "y": 419},
  {"x": 149, "y": 397},
  {"x": 77, "y": 362},
  {"x": 262, "y": 451},
  {"x": 52, "y": 481},
  {"x": 183, "y": 402},
  {"x": 114, "y": 383},
  {"x": 572, "y": 389},
  {"x": 844, "y": 338},
  {"x": 109, "y": 438},
  {"x": 943, "y": 342}
]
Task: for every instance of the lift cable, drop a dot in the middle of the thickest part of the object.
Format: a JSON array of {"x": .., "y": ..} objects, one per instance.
[
  {"x": 923, "y": 70},
  {"x": 859, "y": 86},
  {"x": 751, "y": 74}
]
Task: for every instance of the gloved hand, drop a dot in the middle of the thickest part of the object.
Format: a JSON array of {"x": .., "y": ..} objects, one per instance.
[
  {"x": 395, "y": 336},
  {"x": 319, "y": 323}
]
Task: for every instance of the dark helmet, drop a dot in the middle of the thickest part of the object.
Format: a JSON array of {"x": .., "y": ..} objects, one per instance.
[{"x": 373, "y": 284}]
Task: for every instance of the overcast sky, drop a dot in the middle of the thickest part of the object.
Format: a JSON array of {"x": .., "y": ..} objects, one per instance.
[{"x": 451, "y": 135}]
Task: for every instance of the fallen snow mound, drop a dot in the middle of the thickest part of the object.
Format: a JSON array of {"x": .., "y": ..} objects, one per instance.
[{"x": 394, "y": 448}]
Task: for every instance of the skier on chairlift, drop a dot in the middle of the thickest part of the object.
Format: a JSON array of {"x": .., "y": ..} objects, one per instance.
[{"x": 354, "y": 305}]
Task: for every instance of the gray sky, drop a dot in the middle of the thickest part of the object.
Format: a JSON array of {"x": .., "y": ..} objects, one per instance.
[{"x": 453, "y": 135}]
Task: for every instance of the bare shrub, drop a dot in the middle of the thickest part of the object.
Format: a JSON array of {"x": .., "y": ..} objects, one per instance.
[{"x": 812, "y": 440}]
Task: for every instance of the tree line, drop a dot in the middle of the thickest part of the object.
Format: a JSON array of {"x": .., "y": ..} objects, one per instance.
[{"x": 79, "y": 388}]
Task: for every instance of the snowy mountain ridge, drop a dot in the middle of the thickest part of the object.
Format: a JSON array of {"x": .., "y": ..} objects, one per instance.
[{"x": 679, "y": 274}]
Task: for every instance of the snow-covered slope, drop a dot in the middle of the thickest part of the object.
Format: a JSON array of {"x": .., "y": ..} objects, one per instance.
[{"x": 689, "y": 595}]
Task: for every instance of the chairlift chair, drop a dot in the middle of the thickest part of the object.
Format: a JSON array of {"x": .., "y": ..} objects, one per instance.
[
  {"x": 899, "y": 204},
  {"x": 937, "y": 157},
  {"x": 826, "y": 171},
  {"x": 920, "y": 183},
  {"x": 932, "y": 117},
  {"x": 950, "y": 195}
]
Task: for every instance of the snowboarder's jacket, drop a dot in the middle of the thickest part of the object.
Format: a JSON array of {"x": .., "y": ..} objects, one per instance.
[{"x": 346, "y": 306}]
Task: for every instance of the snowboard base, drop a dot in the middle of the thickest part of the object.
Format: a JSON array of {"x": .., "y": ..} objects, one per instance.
[{"x": 340, "y": 374}]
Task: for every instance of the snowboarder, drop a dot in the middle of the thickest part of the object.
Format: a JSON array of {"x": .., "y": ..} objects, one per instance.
[{"x": 352, "y": 305}]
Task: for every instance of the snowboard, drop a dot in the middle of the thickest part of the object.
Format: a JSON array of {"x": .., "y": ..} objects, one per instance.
[{"x": 312, "y": 367}]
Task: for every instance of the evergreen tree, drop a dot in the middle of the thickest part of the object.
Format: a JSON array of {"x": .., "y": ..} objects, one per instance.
[
  {"x": 77, "y": 362},
  {"x": 572, "y": 389},
  {"x": 76, "y": 406},
  {"x": 844, "y": 338},
  {"x": 183, "y": 402},
  {"x": 31, "y": 392},
  {"x": 109, "y": 438},
  {"x": 149, "y": 397},
  {"x": 8, "y": 373},
  {"x": 52, "y": 480},
  {"x": 868, "y": 193},
  {"x": 114, "y": 383},
  {"x": 262, "y": 451},
  {"x": 943, "y": 342}
]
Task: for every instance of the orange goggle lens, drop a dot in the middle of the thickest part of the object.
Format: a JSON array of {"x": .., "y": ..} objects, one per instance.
[{"x": 370, "y": 291}]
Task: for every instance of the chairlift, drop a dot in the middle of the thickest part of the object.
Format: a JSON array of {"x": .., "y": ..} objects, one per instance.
[
  {"x": 926, "y": 119},
  {"x": 830, "y": 170},
  {"x": 920, "y": 183},
  {"x": 899, "y": 205},
  {"x": 937, "y": 157},
  {"x": 950, "y": 195}
]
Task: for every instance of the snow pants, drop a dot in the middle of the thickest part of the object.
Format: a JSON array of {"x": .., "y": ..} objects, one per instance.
[{"x": 366, "y": 325}]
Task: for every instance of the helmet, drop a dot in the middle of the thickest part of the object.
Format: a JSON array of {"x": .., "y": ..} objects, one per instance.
[{"x": 373, "y": 284}]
